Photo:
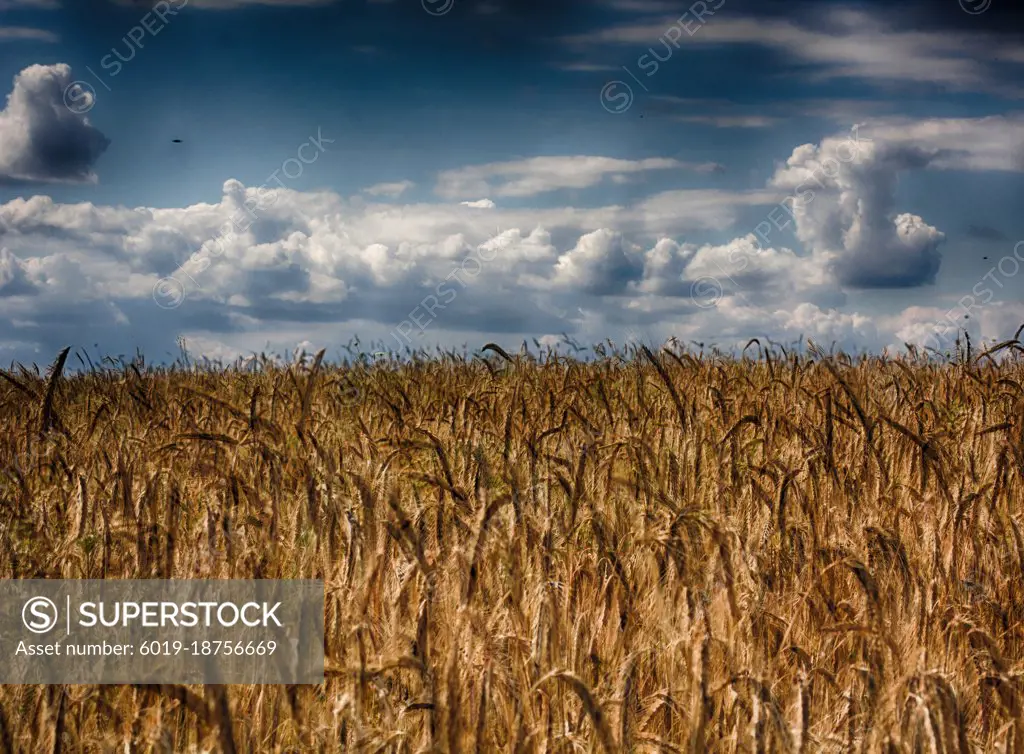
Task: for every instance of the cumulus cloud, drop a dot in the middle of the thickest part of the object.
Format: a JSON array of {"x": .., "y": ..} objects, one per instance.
[
  {"x": 14, "y": 277},
  {"x": 313, "y": 261},
  {"x": 764, "y": 275},
  {"x": 599, "y": 264},
  {"x": 664, "y": 268},
  {"x": 480, "y": 204},
  {"x": 938, "y": 328},
  {"x": 42, "y": 140},
  {"x": 316, "y": 266},
  {"x": 843, "y": 203},
  {"x": 319, "y": 265},
  {"x": 800, "y": 320}
]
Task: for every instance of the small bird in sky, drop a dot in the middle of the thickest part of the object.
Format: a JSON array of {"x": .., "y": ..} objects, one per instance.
[{"x": 176, "y": 141}]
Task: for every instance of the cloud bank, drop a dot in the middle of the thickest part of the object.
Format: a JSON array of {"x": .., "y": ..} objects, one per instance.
[{"x": 319, "y": 267}]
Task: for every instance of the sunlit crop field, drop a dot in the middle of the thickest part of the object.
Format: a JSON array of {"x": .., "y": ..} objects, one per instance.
[{"x": 651, "y": 550}]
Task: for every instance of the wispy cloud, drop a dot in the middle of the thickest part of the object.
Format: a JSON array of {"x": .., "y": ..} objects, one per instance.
[
  {"x": 849, "y": 44},
  {"x": 726, "y": 113},
  {"x": 986, "y": 233},
  {"x": 584, "y": 67},
  {"x": 389, "y": 189},
  {"x": 540, "y": 175},
  {"x": 27, "y": 33},
  {"x": 234, "y": 4},
  {"x": 991, "y": 143},
  {"x": 641, "y": 6},
  {"x": 729, "y": 121},
  {"x": 29, "y": 5}
]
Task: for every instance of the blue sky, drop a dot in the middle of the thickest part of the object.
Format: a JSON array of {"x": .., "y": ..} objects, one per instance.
[{"x": 535, "y": 147}]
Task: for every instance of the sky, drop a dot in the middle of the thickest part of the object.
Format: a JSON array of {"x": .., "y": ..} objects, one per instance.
[{"x": 262, "y": 175}]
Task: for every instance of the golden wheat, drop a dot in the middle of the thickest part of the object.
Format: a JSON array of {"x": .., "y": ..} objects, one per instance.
[{"x": 660, "y": 551}]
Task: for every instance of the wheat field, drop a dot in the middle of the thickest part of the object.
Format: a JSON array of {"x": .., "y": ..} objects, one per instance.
[{"x": 651, "y": 550}]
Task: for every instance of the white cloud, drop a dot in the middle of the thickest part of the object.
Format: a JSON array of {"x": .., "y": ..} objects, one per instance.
[
  {"x": 41, "y": 139},
  {"x": 990, "y": 143},
  {"x": 538, "y": 175},
  {"x": 312, "y": 258},
  {"x": 389, "y": 189},
  {"x": 670, "y": 212},
  {"x": 938, "y": 328},
  {"x": 27, "y": 33},
  {"x": 844, "y": 209},
  {"x": 14, "y": 278},
  {"x": 480, "y": 204},
  {"x": 315, "y": 265},
  {"x": 853, "y": 44},
  {"x": 599, "y": 264}
]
